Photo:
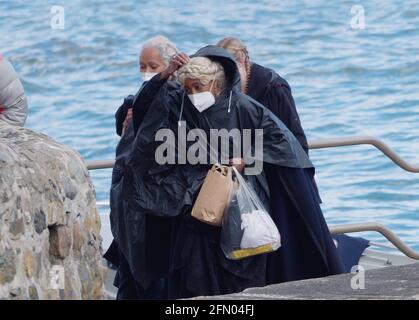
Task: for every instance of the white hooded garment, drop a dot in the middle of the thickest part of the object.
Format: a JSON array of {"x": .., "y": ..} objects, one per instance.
[{"x": 13, "y": 102}]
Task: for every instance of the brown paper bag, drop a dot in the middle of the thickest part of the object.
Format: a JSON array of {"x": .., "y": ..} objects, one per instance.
[{"x": 214, "y": 196}]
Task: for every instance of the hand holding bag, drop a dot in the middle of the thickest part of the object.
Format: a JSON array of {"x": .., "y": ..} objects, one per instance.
[
  {"x": 248, "y": 229},
  {"x": 214, "y": 196}
]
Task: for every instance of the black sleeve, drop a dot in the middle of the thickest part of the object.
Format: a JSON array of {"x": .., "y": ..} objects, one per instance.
[
  {"x": 144, "y": 98},
  {"x": 121, "y": 113},
  {"x": 283, "y": 106}
]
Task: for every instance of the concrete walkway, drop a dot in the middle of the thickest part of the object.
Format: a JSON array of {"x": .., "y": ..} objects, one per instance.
[{"x": 386, "y": 283}]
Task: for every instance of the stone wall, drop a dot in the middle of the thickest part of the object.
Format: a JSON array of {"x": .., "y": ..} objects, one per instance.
[{"x": 50, "y": 245}]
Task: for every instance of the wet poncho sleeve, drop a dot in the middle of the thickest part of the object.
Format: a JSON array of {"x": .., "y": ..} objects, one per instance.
[
  {"x": 280, "y": 146},
  {"x": 145, "y": 97},
  {"x": 282, "y": 104}
]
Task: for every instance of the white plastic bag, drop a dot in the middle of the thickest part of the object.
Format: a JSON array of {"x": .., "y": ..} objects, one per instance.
[{"x": 247, "y": 228}]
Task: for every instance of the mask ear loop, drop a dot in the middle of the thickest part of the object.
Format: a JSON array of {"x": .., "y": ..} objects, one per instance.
[
  {"x": 213, "y": 80},
  {"x": 229, "y": 101},
  {"x": 181, "y": 110}
]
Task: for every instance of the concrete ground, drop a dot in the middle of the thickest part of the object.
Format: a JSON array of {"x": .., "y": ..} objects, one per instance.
[{"x": 400, "y": 282}]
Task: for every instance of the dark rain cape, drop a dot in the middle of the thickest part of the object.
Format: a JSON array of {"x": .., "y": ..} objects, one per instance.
[
  {"x": 123, "y": 251},
  {"x": 274, "y": 92},
  {"x": 158, "y": 228},
  {"x": 197, "y": 265}
]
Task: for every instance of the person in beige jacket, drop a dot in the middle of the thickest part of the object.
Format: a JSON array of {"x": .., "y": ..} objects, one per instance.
[{"x": 13, "y": 102}]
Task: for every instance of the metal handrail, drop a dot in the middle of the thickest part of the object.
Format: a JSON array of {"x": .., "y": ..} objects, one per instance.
[
  {"x": 372, "y": 226},
  {"x": 332, "y": 143},
  {"x": 318, "y": 144},
  {"x": 100, "y": 164},
  {"x": 351, "y": 141},
  {"x": 368, "y": 227}
]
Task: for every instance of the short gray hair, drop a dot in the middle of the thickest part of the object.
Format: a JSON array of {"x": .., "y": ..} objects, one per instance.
[{"x": 165, "y": 46}]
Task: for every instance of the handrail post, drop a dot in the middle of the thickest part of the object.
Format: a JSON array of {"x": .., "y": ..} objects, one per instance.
[
  {"x": 372, "y": 226},
  {"x": 365, "y": 140}
]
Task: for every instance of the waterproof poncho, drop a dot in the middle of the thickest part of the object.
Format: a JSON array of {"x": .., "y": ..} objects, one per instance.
[{"x": 274, "y": 92}]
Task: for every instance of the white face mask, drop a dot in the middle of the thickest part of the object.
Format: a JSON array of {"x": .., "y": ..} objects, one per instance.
[
  {"x": 146, "y": 76},
  {"x": 203, "y": 100}
]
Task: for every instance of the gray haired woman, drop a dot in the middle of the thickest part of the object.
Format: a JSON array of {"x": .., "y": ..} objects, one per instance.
[{"x": 154, "y": 58}]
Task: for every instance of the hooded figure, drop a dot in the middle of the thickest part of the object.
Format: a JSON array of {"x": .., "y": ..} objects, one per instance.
[
  {"x": 266, "y": 87},
  {"x": 13, "y": 102},
  {"x": 274, "y": 92},
  {"x": 197, "y": 265}
]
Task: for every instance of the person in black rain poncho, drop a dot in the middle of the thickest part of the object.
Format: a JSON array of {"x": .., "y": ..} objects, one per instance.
[
  {"x": 154, "y": 57},
  {"x": 274, "y": 92},
  {"x": 197, "y": 265},
  {"x": 266, "y": 87}
]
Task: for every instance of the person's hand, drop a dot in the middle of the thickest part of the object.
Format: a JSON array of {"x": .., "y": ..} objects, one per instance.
[
  {"x": 238, "y": 163},
  {"x": 127, "y": 120},
  {"x": 177, "y": 61}
]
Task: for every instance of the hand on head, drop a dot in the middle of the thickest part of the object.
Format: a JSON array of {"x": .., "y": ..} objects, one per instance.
[{"x": 177, "y": 61}]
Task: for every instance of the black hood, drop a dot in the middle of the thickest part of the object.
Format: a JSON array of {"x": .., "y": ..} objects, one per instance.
[{"x": 222, "y": 56}]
